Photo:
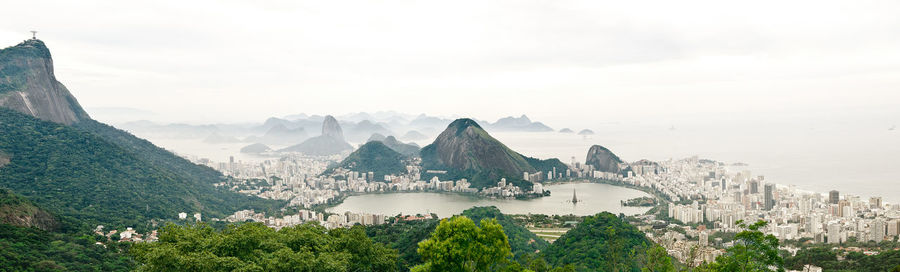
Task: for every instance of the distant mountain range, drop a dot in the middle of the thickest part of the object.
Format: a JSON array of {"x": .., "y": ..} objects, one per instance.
[
  {"x": 405, "y": 149},
  {"x": 294, "y": 129},
  {"x": 522, "y": 124},
  {"x": 280, "y": 134}
]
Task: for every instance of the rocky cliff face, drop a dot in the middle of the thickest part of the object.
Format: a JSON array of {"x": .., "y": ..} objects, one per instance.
[
  {"x": 18, "y": 211},
  {"x": 28, "y": 85},
  {"x": 331, "y": 128},
  {"x": 604, "y": 160}
]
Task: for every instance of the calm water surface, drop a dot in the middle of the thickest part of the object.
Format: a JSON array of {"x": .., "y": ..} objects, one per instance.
[{"x": 594, "y": 198}]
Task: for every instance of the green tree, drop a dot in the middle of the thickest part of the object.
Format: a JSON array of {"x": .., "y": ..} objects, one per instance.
[
  {"x": 458, "y": 244},
  {"x": 752, "y": 251},
  {"x": 658, "y": 260}
]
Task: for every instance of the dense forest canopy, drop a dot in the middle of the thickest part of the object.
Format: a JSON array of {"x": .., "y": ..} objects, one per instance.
[{"x": 255, "y": 247}]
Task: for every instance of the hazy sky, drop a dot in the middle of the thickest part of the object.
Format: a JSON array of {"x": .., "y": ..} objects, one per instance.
[{"x": 562, "y": 62}]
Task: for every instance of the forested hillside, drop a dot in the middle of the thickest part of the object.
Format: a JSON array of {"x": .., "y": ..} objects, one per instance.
[
  {"x": 600, "y": 242},
  {"x": 79, "y": 175}
]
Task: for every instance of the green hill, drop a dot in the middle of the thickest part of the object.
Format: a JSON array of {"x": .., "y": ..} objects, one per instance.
[
  {"x": 374, "y": 157},
  {"x": 602, "y": 242},
  {"x": 521, "y": 240},
  {"x": 109, "y": 178},
  {"x": 465, "y": 150}
]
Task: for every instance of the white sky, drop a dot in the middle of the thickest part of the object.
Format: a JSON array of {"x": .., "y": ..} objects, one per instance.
[{"x": 561, "y": 62}]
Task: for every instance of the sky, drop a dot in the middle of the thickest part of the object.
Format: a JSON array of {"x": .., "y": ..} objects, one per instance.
[{"x": 561, "y": 62}]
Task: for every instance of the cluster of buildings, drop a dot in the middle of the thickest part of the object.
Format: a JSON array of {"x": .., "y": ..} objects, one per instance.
[
  {"x": 129, "y": 235},
  {"x": 298, "y": 179},
  {"x": 346, "y": 219},
  {"x": 576, "y": 170},
  {"x": 709, "y": 197}
]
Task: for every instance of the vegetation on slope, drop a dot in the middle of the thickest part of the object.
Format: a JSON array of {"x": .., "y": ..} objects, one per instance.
[
  {"x": 403, "y": 236},
  {"x": 547, "y": 165},
  {"x": 374, "y": 157},
  {"x": 521, "y": 239},
  {"x": 18, "y": 211},
  {"x": 32, "y": 249},
  {"x": 79, "y": 175},
  {"x": 465, "y": 150},
  {"x": 407, "y": 150},
  {"x": 826, "y": 258},
  {"x": 601, "y": 242}
]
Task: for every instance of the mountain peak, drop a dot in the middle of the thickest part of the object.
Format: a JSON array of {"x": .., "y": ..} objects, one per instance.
[
  {"x": 460, "y": 125},
  {"x": 28, "y": 48},
  {"x": 331, "y": 128},
  {"x": 602, "y": 159},
  {"x": 470, "y": 152},
  {"x": 29, "y": 86}
]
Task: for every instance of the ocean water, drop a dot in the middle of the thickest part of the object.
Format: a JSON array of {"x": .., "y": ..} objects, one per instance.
[{"x": 859, "y": 160}]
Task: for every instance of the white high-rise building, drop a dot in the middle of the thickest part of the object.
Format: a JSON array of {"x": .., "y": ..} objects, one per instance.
[
  {"x": 893, "y": 227},
  {"x": 814, "y": 224},
  {"x": 834, "y": 233},
  {"x": 876, "y": 230}
]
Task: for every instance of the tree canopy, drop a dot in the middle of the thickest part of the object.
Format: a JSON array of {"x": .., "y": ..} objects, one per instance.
[
  {"x": 601, "y": 242},
  {"x": 752, "y": 251},
  {"x": 457, "y": 244},
  {"x": 255, "y": 247}
]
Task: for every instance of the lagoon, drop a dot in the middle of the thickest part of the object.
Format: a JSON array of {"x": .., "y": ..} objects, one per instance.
[{"x": 593, "y": 198}]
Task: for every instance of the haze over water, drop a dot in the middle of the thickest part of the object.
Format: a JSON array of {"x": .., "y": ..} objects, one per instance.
[
  {"x": 855, "y": 159},
  {"x": 856, "y": 155}
]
